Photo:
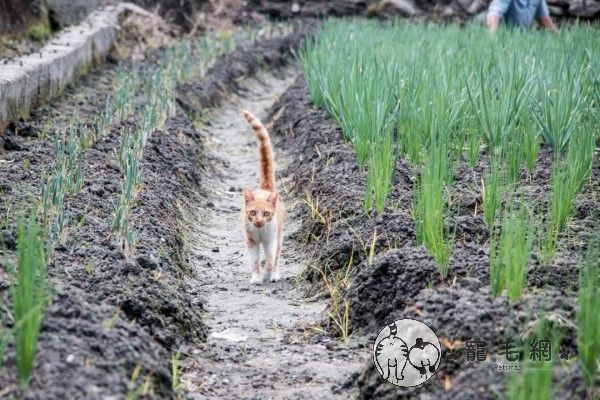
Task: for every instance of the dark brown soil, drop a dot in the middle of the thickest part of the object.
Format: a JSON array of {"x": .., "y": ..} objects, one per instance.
[{"x": 402, "y": 281}]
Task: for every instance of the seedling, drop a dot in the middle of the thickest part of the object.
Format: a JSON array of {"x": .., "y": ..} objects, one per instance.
[
  {"x": 534, "y": 382},
  {"x": 509, "y": 253},
  {"x": 430, "y": 203},
  {"x": 28, "y": 295},
  {"x": 588, "y": 317}
]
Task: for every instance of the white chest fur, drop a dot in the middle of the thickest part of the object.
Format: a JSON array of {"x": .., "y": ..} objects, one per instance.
[{"x": 266, "y": 234}]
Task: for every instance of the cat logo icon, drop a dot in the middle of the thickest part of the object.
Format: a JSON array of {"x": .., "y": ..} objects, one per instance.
[{"x": 406, "y": 353}]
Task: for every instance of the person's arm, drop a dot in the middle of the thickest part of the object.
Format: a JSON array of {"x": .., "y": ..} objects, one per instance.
[
  {"x": 495, "y": 12},
  {"x": 492, "y": 22},
  {"x": 542, "y": 14}
]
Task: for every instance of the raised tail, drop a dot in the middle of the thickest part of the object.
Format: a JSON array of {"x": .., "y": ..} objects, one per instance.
[{"x": 265, "y": 153}]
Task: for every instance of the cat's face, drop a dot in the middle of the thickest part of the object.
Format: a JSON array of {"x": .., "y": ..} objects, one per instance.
[{"x": 259, "y": 210}]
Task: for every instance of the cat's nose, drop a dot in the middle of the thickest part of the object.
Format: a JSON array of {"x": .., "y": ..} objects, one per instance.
[{"x": 259, "y": 224}]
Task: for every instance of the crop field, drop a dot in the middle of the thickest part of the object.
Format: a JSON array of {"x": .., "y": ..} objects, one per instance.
[
  {"x": 448, "y": 99},
  {"x": 440, "y": 185},
  {"x": 441, "y": 95}
]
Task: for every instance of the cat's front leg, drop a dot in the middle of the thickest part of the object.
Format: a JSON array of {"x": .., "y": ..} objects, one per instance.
[
  {"x": 254, "y": 250},
  {"x": 271, "y": 272}
]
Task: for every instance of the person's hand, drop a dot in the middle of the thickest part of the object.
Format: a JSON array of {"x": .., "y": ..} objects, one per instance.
[
  {"x": 546, "y": 22},
  {"x": 493, "y": 21}
]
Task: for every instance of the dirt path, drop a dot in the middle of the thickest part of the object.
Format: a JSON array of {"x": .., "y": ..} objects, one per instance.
[{"x": 260, "y": 345}]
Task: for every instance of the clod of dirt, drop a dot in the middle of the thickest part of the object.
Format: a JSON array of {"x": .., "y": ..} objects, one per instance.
[{"x": 387, "y": 286}]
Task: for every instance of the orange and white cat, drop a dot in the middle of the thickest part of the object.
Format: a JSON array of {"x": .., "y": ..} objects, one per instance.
[{"x": 263, "y": 212}]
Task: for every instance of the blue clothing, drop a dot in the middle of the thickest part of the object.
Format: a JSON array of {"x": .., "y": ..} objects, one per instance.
[{"x": 519, "y": 13}]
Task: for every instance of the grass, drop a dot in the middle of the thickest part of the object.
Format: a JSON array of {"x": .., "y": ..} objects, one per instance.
[
  {"x": 176, "y": 385},
  {"x": 2, "y": 345},
  {"x": 38, "y": 32},
  {"x": 509, "y": 253},
  {"x": 143, "y": 389},
  {"x": 588, "y": 317},
  {"x": 28, "y": 295},
  {"x": 336, "y": 283}
]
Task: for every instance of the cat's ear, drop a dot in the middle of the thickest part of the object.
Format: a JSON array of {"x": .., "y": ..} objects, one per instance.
[
  {"x": 273, "y": 198},
  {"x": 248, "y": 195}
]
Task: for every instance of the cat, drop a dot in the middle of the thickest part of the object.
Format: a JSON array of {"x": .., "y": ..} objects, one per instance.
[{"x": 263, "y": 212}]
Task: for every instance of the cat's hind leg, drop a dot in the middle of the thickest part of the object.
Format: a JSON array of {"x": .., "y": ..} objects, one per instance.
[{"x": 278, "y": 254}]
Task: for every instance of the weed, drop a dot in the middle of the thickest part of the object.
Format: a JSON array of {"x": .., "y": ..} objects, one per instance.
[
  {"x": 339, "y": 309},
  {"x": 144, "y": 388},
  {"x": 89, "y": 268},
  {"x": 175, "y": 374},
  {"x": 317, "y": 215},
  {"x": 38, "y": 32}
]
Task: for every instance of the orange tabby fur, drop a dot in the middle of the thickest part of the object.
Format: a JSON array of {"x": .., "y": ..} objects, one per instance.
[{"x": 263, "y": 212}]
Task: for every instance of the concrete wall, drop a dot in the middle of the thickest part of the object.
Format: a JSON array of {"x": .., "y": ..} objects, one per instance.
[{"x": 29, "y": 81}]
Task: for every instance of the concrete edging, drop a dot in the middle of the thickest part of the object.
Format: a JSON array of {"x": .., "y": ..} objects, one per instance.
[{"x": 29, "y": 81}]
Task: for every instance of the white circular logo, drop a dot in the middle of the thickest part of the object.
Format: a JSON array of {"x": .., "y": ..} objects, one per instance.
[{"x": 407, "y": 353}]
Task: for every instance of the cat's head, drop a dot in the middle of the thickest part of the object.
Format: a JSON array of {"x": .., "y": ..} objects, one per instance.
[{"x": 259, "y": 207}]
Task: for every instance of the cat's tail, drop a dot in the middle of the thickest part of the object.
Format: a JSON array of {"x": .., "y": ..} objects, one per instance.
[{"x": 265, "y": 152}]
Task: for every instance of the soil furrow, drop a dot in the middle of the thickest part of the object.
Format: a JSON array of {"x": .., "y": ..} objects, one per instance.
[{"x": 263, "y": 342}]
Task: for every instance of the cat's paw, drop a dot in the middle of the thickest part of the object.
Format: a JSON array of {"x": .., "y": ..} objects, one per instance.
[
  {"x": 256, "y": 279},
  {"x": 275, "y": 276},
  {"x": 266, "y": 277}
]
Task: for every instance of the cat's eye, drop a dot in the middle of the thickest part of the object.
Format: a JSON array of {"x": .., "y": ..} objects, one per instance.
[
  {"x": 266, "y": 213},
  {"x": 252, "y": 213}
]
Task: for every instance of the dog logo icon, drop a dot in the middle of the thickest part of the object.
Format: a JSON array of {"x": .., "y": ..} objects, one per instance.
[{"x": 406, "y": 353}]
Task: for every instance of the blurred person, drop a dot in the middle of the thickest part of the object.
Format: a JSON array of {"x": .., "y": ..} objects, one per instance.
[{"x": 519, "y": 13}]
